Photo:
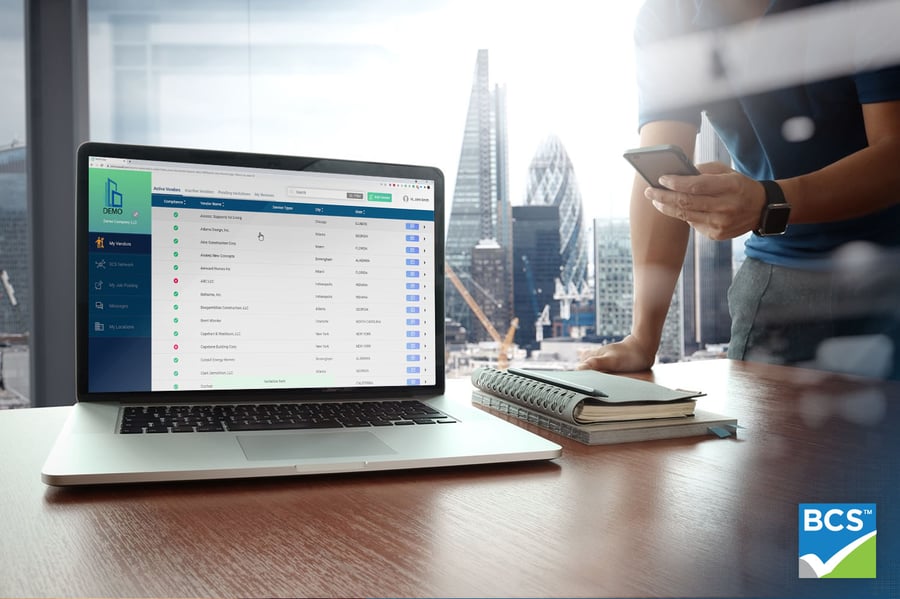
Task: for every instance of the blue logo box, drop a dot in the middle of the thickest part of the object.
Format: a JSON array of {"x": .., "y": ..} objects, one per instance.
[{"x": 837, "y": 540}]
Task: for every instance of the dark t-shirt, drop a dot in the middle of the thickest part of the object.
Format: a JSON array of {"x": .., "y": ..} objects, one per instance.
[{"x": 753, "y": 127}]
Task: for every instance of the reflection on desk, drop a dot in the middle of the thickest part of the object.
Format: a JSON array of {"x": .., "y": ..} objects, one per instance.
[{"x": 678, "y": 517}]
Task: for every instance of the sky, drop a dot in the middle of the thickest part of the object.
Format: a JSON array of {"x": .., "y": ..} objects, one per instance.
[{"x": 568, "y": 71}]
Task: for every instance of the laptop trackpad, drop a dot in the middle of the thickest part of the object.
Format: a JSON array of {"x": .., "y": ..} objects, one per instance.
[{"x": 312, "y": 446}]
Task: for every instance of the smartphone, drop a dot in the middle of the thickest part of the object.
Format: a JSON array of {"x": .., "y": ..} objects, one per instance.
[{"x": 652, "y": 162}]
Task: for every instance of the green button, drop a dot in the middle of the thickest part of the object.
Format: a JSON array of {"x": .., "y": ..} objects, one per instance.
[{"x": 379, "y": 197}]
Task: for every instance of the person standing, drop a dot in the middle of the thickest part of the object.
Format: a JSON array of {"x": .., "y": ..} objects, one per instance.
[{"x": 821, "y": 273}]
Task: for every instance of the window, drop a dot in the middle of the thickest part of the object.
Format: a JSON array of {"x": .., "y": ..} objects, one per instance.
[
  {"x": 524, "y": 116},
  {"x": 15, "y": 294},
  {"x": 448, "y": 84}
]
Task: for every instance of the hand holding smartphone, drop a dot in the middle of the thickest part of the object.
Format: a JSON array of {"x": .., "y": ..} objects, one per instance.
[{"x": 652, "y": 162}]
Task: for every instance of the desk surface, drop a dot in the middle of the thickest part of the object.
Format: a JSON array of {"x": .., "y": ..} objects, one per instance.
[{"x": 679, "y": 517}]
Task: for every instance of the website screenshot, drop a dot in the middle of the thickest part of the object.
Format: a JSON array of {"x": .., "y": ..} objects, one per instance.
[{"x": 250, "y": 278}]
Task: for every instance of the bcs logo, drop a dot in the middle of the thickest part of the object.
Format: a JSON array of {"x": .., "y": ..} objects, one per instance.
[
  {"x": 113, "y": 200},
  {"x": 837, "y": 540}
]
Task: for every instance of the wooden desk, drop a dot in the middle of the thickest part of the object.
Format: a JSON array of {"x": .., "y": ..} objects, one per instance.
[{"x": 681, "y": 517}]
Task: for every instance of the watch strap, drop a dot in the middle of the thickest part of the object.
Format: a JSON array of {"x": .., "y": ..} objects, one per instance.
[
  {"x": 775, "y": 203},
  {"x": 774, "y": 193}
]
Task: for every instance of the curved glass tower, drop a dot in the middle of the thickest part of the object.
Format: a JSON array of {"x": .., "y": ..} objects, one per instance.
[{"x": 551, "y": 182}]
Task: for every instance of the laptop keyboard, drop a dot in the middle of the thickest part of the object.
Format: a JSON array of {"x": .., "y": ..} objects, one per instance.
[{"x": 260, "y": 417}]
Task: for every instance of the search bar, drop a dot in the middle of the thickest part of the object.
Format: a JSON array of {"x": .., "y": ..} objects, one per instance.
[{"x": 324, "y": 194}]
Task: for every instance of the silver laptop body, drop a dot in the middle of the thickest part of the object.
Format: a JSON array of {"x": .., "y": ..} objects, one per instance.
[{"x": 211, "y": 282}]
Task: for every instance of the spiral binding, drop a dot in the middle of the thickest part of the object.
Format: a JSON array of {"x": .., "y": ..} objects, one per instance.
[{"x": 539, "y": 395}]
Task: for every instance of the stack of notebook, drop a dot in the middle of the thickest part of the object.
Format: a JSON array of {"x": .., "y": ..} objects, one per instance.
[{"x": 596, "y": 408}]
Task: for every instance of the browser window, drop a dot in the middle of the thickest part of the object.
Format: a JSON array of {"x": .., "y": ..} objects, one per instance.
[{"x": 208, "y": 277}]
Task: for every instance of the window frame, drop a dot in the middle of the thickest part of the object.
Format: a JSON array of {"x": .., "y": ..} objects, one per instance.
[{"x": 56, "y": 84}]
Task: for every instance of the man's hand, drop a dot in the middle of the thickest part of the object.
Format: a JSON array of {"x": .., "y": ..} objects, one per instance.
[
  {"x": 720, "y": 203},
  {"x": 628, "y": 355}
]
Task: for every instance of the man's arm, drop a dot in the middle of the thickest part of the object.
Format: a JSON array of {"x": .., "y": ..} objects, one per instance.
[
  {"x": 658, "y": 243},
  {"x": 863, "y": 182},
  {"x": 723, "y": 204}
]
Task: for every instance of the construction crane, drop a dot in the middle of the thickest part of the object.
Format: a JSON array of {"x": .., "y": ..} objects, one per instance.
[
  {"x": 503, "y": 357},
  {"x": 503, "y": 343},
  {"x": 567, "y": 294},
  {"x": 543, "y": 320}
]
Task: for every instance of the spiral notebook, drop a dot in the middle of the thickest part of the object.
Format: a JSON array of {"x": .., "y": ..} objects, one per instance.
[
  {"x": 585, "y": 396},
  {"x": 596, "y": 408}
]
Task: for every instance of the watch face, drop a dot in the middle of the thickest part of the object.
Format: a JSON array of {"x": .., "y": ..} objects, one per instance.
[{"x": 775, "y": 219}]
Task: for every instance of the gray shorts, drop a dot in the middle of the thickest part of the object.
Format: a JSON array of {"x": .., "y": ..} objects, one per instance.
[{"x": 845, "y": 319}]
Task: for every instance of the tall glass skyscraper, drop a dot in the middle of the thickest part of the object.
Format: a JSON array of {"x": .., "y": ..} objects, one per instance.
[
  {"x": 614, "y": 288},
  {"x": 535, "y": 268},
  {"x": 552, "y": 182},
  {"x": 479, "y": 235}
]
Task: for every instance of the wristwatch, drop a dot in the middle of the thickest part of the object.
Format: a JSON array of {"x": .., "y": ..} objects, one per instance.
[{"x": 775, "y": 213}]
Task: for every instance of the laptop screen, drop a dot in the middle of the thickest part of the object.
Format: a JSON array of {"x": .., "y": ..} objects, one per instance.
[{"x": 221, "y": 271}]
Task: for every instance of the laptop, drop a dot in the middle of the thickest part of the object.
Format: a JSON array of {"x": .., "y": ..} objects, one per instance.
[{"x": 248, "y": 315}]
